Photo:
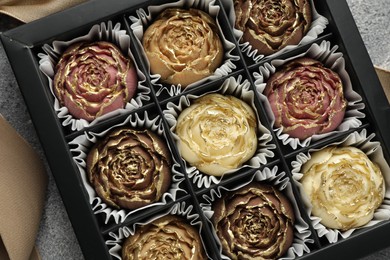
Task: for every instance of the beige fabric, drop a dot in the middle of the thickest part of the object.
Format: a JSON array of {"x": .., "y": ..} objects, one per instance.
[
  {"x": 22, "y": 195},
  {"x": 384, "y": 77},
  {"x": 29, "y": 10}
]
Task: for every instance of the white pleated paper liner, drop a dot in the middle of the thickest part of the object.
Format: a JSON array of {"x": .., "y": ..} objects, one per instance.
[
  {"x": 181, "y": 209},
  {"x": 80, "y": 147},
  {"x": 374, "y": 151},
  {"x": 317, "y": 26},
  {"x": 331, "y": 59},
  {"x": 279, "y": 180},
  {"x": 145, "y": 18},
  {"x": 240, "y": 89},
  {"x": 102, "y": 32}
]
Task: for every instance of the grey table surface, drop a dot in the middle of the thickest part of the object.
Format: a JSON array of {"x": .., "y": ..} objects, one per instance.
[{"x": 56, "y": 239}]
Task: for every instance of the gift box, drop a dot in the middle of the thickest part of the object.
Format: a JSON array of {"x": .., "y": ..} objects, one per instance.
[{"x": 101, "y": 230}]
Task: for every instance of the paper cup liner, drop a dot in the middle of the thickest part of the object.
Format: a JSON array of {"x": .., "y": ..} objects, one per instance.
[
  {"x": 318, "y": 25},
  {"x": 80, "y": 147},
  {"x": 98, "y": 32},
  {"x": 276, "y": 179},
  {"x": 181, "y": 209},
  {"x": 145, "y": 17},
  {"x": 331, "y": 59},
  {"x": 374, "y": 152},
  {"x": 240, "y": 89}
]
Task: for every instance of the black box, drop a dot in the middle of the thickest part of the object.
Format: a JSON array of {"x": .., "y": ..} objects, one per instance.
[{"x": 25, "y": 42}]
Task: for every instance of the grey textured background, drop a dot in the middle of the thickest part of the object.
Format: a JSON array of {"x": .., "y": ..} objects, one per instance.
[{"x": 56, "y": 239}]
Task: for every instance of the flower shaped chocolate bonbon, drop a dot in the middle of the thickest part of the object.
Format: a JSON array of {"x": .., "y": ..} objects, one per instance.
[
  {"x": 344, "y": 186},
  {"x": 273, "y": 24},
  {"x": 129, "y": 168},
  {"x": 166, "y": 238},
  {"x": 93, "y": 79},
  {"x": 217, "y": 133},
  {"x": 183, "y": 46},
  {"x": 306, "y": 98},
  {"x": 254, "y": 222}
]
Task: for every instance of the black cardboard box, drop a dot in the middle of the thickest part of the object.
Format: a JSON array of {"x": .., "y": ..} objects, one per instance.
[{"x": 25, "y": 42}]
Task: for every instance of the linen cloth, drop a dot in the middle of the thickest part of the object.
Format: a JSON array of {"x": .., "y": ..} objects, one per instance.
[
  {"x": 23, "y": 182},
  {"x": 30, "y": 10}
]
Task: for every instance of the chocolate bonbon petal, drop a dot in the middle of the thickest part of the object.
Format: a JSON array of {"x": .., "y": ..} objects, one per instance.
[
  {"x": 168, "y": 237},
  {"x": 93, "y": 79},
  {"x": 306, "y": 98},
  {"x": 183, "y": 46},
  {"x": 254, "y": 222},
  {"x": 217, "y": 133},
  {"x": 272, "y": 25},
  {"x": 344, "y": 186},
  {"x": 129, "y": 168}
]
